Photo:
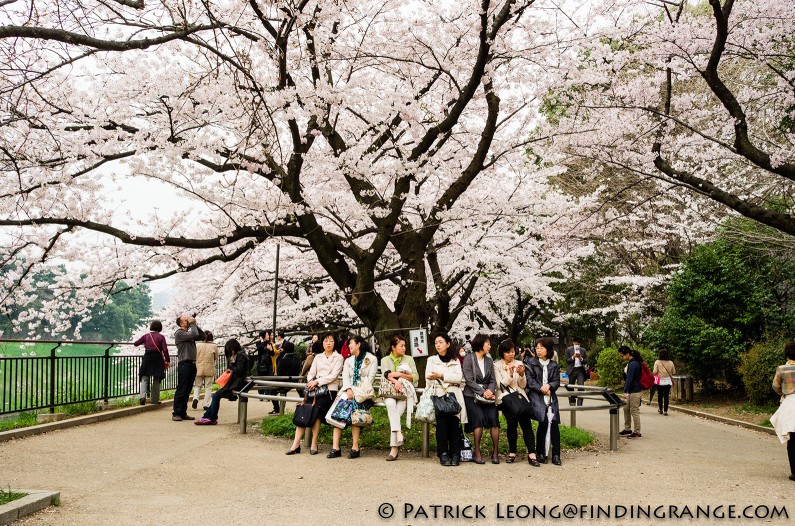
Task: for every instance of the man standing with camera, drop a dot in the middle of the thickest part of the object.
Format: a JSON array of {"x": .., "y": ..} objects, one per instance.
[
  {"x": 576, "y": 367},
  {"x": 185, "y": 338}
]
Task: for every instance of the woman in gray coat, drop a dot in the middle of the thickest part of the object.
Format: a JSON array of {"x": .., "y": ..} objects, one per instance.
[{"x": 480, "y": 397}]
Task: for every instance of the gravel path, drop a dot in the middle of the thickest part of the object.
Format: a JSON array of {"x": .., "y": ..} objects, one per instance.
[{"x": 146, "y": 469}]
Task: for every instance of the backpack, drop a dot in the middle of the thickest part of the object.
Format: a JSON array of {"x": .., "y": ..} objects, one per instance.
[{"x": 646, "y": 378}]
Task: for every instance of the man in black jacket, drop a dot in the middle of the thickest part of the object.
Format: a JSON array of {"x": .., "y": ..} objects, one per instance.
[
  {"x": 576, "y": 367},
  {"x": 287, "y": 364}
]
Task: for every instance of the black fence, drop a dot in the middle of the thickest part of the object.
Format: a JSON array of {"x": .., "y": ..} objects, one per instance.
[{"x": 49, "y": 380}]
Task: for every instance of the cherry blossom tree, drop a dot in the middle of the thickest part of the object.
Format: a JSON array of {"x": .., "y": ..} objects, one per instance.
[
  {"x": 382, "y": 141},
  {"x": 695, "y": 98}
]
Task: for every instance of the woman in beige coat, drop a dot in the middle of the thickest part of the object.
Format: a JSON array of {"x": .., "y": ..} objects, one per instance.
[
  {"x": 511, "y": 377},
  {"x": 206, "y": 355},
  {"x": 443, "y": 374}
]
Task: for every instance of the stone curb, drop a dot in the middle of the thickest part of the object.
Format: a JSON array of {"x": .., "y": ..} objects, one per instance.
[
  {"x": 724, "y": 420},
  {"x": 93, "y": 418},
  {"x": 35, "y": 500}
]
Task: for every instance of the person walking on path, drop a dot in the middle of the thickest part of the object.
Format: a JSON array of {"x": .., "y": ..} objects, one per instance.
[
  {"x": 665, "y": 369},
  {"x": 784, "y": 419},
  {"x": 155, "y": 361},
  {"x": 185, "y": 339},
  {"x": 238, "y": 366},
  {"x": 632, "y": 391},
  {"x": 206, "y": 355},
  {"x": 576, "y": 367}
]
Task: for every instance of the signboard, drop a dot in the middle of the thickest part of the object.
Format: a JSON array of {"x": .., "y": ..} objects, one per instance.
[{"x": 418, "y": 342}]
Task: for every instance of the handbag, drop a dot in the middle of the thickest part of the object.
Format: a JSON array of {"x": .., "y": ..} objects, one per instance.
[
  {"x": 336, "y": 415},
  {"x": 513, "y": 405},
  {"x": 482, "y": 400},
  {"x": 361, "y": 418},
  {"x": 364, "y": 391},
  {"x": 305, "y": 414},
  {"x": 447, "y": 404},
  {"x": 317, "y": 391},
  {"x": 387, "y": 390},
  {"x": 656, "y": 379},
  {"x": 224, "y": 378},
  {"x": 466, "y": 448},
  {"x": 425, "y": 411}
]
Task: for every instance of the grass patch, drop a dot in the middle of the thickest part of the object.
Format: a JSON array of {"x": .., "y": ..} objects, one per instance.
[
  {"x": 377, "y": 435},
  {"x": 82, "y": 408},
  {"x": 766, "y": 423},
  {"x": 756, "y": 409},
  {"x": 8, "y": 496},
  {"x": 126, "y": 402},
  {"x": 16, "y": 422}
]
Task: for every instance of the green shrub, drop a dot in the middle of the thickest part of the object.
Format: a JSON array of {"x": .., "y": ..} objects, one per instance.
[
  {"x": 377, "y": 435},
  {"x": 758, "y": 368},
  {"x": 611, "y": 367}
]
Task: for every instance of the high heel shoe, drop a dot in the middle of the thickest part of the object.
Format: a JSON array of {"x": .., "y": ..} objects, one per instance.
[
  {"x": 533, "y": 462},
  {"x": 510, "y": 459},
  {"x": 294, "y": 451},
  {"x": 390, "y": 457}
]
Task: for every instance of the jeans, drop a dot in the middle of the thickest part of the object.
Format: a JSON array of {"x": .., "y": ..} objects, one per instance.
[
  {"x": 155, "y": 388},
  {"x": 215, "y": 404},
  {"x": 527, "y": 434},
  {"x": 663, "y": 395},
  {"x": 186, "y": 374},
  {"x": 577, "y": 377},
  {"x": 205, "y": 382},
  {"x": 448, "y": 434},
  {"x": 632, "y": 412},
  {"x": 554, "y": 441}
]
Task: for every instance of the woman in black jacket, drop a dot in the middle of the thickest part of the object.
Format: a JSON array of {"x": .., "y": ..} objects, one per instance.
[
  {"x": 238, "y": 365},
  {"x": 543, "y": 379}
]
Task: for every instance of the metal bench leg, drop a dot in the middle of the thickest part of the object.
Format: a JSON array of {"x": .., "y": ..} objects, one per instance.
[
  {"x": 426, "y": 432},
  {"x": 614, "y": 430},
  {"x": 242, "y": 413}
]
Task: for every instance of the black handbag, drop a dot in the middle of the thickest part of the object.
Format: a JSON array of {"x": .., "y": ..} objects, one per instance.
[
  {"x": 305, "y": 414},
  {"x": 317, "y": 391},
  {"x": 514, "y": 406},
  {"x": 447, "y": 404}
]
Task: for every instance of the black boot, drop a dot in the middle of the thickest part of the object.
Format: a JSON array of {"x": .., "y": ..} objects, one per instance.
[
  {"x": 456, "y": 459},
  {"x": 444, "y": 459}
]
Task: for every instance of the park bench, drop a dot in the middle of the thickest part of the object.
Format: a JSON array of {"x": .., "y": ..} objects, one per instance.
[{"x": 255, "y": 383}]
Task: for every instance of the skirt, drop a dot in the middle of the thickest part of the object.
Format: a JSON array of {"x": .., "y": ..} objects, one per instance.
[
  {"x": 152, "y": 365},
  {"x": 323, "y": 404},
  {"x": 480, "y": 415},
  {"x": 784, "y": 419}
]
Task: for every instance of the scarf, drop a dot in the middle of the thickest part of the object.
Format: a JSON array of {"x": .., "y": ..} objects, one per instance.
[
  {"x": 545, "y": 378},
  {"x": 357, "y": 366},
  {"x": 395, "y": 361}
]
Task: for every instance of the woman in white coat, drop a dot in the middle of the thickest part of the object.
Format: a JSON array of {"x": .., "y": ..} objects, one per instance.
[
  {"x": 358, "y": 374},
  {"x": 443, "y": 374}
]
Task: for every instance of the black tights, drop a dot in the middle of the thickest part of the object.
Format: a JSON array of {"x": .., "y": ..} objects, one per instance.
[
  {"x": 791, "y": 452},
  {"x": 527, "y": 434},
  {"x": 495, "y": 440},
  {"x": 663, "y": 395}
]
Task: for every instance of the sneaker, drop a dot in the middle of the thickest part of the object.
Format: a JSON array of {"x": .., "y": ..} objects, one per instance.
[
  {"x": 634, "y": 435},
  {"x": 195, "y": 404},
  {"x": 625, "y": 432},
  {"x": 205, "y": 422}
]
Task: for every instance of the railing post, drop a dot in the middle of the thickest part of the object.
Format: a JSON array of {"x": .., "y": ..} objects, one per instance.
[
  {"x": 106, "y": 375},
  {"x": 573, "y": 415},
  {"x": 52, "y": 378},
  {"x": 614, "y": 430}
]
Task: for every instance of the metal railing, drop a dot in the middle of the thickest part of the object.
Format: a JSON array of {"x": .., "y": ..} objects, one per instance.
[
  {"x": 51, "y": 380},
  {"x": 612, "y": 403}
]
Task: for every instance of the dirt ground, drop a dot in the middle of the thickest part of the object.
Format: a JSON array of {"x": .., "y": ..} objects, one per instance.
[{"x": 146, "y": 469}]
